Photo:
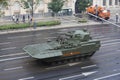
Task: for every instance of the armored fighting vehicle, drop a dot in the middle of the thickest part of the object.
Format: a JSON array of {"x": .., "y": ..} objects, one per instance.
[{"x": 72, "y": 45}]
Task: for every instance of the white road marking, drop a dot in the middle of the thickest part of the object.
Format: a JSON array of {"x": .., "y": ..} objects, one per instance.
[
  {"x": 67, "y": 78},
  {"x": 75, "y": 76},
  {"x": 69, "y": 64},
  {"x": 88, "y": 73},
  {"x": 107, "y": 76},
  {"x": 101, "y": 56},
  {"x": 63, "y": 30},
  {"x": 98, "y": 36},
  {"x": 26, "y": 78},
  {"x": 110, "y": 40},
  {"x": 56, "y": 67},
  {"x": 103, "y": 39},
  {"x": 20, "y": 36},
  {"x": 8, "y": 48},
  {"x": 8, "y": 59},
  {"x": 118, "y": 50},
  {"x": 5, "y": 43},
  {"x": 88, "y": 66},
  {"x": 116, "y": 70},
  {"x": 13, "y": 68},
  {"x": 72, "y": 64},
  {"x": 108, "y": 44},
  {"x": 12, "y": 54},
  {"x": 50, "y": 38}
]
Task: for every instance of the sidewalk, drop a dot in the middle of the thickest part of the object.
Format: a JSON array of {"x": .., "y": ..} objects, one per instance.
[{"x": 65, "y": 24}]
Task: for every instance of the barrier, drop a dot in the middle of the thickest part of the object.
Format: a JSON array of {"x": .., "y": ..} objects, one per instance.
[{"x": 104, "y": 20}]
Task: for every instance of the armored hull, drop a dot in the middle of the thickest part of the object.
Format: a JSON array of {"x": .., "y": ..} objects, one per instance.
[{"x": 71, "y": 45}]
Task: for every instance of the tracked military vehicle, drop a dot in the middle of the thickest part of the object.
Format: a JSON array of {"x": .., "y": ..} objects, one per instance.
[{"x": 73, "y": 45}]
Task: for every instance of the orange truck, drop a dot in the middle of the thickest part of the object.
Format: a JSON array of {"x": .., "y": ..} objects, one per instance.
[{"x": 99, "y": 11}]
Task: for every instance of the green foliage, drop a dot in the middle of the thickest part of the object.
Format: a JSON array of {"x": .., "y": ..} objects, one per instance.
[
  {"x": 82, "y": 4},
  {"x": 3, "y": 4},
  {"x": 83, "y": 20},
  {"x": 26, "y": 25},
  {"x": 1, "y": 13},
  {"x": 56, "y": 5},
  {"x": 48, "y": 23},
  {"x": 25, "y": 4},
  {"x": 29, "y": 4},
  {"x": 13, "y": 26}
]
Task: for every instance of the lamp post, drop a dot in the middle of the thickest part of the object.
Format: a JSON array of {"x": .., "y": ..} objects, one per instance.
[
  {"x": 32, "y": 9},
  {"x": 34, "y": 23}
]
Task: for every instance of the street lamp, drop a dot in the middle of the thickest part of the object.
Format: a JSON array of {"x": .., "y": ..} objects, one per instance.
[
  {"x": 34, "y": 23},
  {"x": 32, "y": 8}
]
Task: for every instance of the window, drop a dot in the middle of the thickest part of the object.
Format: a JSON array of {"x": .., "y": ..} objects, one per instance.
[
  {"x": 116, "y": 2},
  {"x": 16, "y": 6},
  {"x": 104, "y": 2},
  {"x": 110, "y": 2},
  {"x": 41, "y": 4}
]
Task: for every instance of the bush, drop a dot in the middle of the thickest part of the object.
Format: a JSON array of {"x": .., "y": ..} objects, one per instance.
[
  {"x": 48, "y": 23},
  {"x": 14, "y": 26},
  {"x": 82, "y": 20},
  {"x": 26, "y": 25}
]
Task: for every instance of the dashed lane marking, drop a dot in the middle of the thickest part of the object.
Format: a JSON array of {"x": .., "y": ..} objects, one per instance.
[
  {"x": 88, "y": 66},
  {"x": 8, "y": 59},
  {"x": 79, "y": 75},
  {"x": 12, "y": 54},
  {"x": 26, "y": 78},
  {"x": 110, "y": 40},
  {"x": 20, "y": 37},
  {"x": 56, "y": 67},
  {"x": 112, "y": 53},
  {"x": 110, "y": 44},
  {"x": 69, "y": 64},
  {"x": 67, "y": 78},
  {"x": 5, "y": 43},
  {"x": 103, "y": 39},
  {"x": 50, "y": 38},
  {"x": 116, "y": 70},
  {"x": 104, "y": 77},
  {"x": 13, "y": 68},
  {"x": 8, "y": 48},
  {"x": 23, "y": 36},
  {"x": 72, "y": 64},
  {"x": 98, "y": 36}
]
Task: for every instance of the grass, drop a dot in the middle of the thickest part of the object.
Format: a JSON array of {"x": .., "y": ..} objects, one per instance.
[
  {"x": 82, "y": 20},
  {"x": 26, "y": 25}
]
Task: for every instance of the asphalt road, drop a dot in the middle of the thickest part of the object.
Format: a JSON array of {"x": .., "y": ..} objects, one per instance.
[{"x": 104, "y": 65}]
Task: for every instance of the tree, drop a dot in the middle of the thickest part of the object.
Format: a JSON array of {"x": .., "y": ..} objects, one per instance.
[
  {"x": 3, "y": 5},
  {"x": 81, "y": 5},
  {"x": 30, "y": 5},
  {"x": 56, "y": 6}
]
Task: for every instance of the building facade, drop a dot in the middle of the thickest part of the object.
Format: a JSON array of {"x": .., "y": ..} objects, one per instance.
[
  {"x": 107, "y": 3},
  {"x": 14, "y": 6},
  {"x": 112, "y": 5}
]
